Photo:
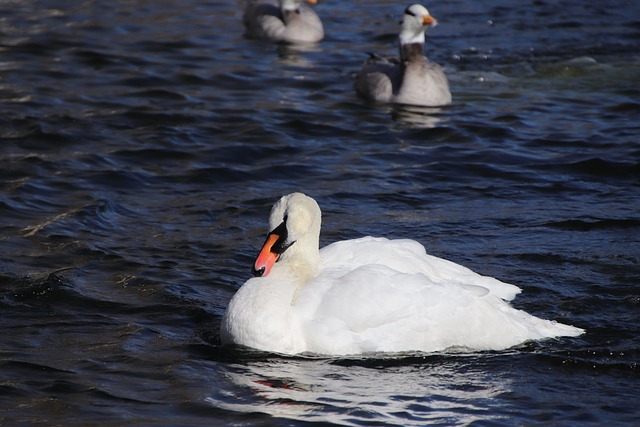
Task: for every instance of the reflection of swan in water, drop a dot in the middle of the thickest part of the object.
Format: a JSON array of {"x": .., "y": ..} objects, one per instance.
[{"x": 357, "y": 392}]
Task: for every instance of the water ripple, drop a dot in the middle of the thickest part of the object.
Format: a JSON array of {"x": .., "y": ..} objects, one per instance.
[{"x": 142, "y": 146}]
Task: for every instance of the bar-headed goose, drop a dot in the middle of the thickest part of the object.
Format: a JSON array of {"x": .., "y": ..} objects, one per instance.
[{"x": 412, "y": 79}]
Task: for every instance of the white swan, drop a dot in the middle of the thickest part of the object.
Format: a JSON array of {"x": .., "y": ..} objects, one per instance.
[
  {"x": 283, "y": 21},
  {"x": 368, "y": 295},
  {"x": 411, "y": 80}
]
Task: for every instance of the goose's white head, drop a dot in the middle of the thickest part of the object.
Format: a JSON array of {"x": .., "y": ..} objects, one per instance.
[
  {"x": 293, "y": 5},
  {"x": 294, "y": 235},
  {"x": 414, "y": 23}
]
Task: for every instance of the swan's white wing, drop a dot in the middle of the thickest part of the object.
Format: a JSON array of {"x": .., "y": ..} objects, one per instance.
[
  {"x": 374, "y": 308},
  {"x": 409, "y": 256}
]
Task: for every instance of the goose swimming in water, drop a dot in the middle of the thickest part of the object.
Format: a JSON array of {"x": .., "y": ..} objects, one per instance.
[
  {"x": 283, "y": 21},
  {"x": 368, "y": 295},
  {"x": 412, "y": 79}
]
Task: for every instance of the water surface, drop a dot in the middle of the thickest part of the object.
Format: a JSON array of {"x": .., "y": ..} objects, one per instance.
[{"x": 143, "y": 143}]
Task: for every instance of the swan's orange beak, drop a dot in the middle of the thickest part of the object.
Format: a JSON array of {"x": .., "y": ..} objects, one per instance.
[
  {"x": 312, "y": 1},
  {"x": 266, "y": 258},
  {"x": 273, "y": 247},
  {"x": 429, "y": 20}
]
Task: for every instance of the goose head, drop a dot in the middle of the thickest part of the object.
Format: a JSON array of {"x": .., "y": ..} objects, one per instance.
[
  {"x": 293, "y": 237},
  {"x": 414, "y": 23},
  {"x": 293, "y": 5}
]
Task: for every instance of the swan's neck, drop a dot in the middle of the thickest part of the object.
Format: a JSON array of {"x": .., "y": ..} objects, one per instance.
[
  {"x": 301, "y": 264},
  {"x": 260, "y": 314}
]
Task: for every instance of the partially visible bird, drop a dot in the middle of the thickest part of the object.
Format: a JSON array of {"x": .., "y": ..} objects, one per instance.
[{"x": 283, "y": 21}]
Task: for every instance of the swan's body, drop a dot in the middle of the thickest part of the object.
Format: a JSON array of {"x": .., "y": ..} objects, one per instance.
[
  {"x": 283, "y": 21},
  {"x": 368, "y": 295},
  {"x": 412, "y": 79}
]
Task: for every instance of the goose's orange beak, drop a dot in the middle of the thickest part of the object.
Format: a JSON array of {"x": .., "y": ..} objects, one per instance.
[{"x": 428, "y": 20}]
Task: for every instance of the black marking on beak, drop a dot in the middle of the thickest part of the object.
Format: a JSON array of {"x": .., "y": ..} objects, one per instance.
[{"x": 257, "y": 273}]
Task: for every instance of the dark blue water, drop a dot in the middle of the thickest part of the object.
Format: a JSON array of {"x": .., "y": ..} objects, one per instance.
[{"x": 143, "y": 143}]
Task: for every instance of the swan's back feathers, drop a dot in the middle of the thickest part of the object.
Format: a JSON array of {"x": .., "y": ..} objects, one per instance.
[
  {"x": 373, "y": 308},
  {"x": 409, "y": 256},
  {"x": 376, "y": 295}
]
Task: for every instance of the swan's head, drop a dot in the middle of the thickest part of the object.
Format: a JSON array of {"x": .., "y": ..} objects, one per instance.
[
  {"x": 415, "y": 21},
  {"x": 294, "y": 231}
]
